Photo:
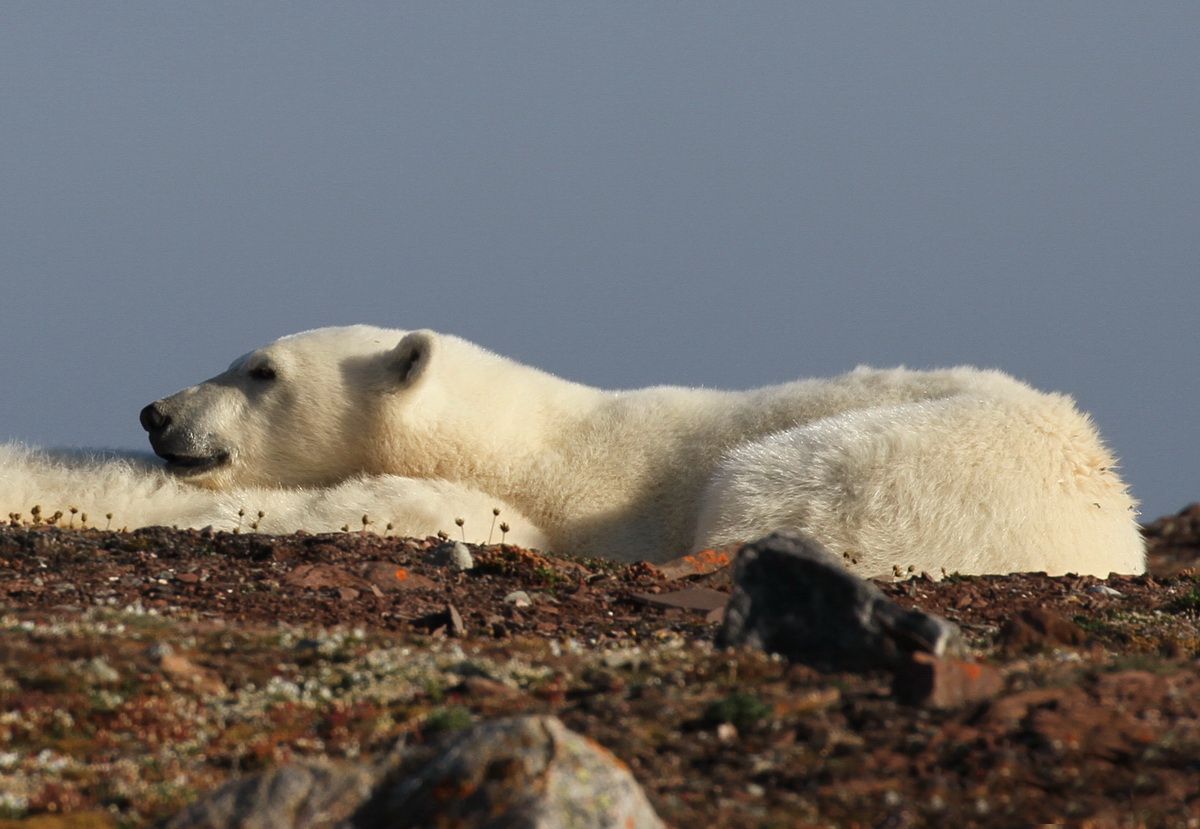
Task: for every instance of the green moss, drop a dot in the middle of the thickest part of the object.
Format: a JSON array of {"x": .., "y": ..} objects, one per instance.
[
  {"x": 446, "y": 720},
  {"x": 740, "y": 710},
  {"x": 1188, "y": 602}
]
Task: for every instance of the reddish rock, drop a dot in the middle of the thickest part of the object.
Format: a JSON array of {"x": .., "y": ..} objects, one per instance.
[
  {"x": 390, "y": 577},
  {"x": 321, "y": 575},
  {"x": 701, "y": 563},
  {"x": 1073, "y": 719},
  {"x": 703, "y": 599},
  {"x": 1037, "y": 627},
  {"x": 181, "y": 670},
  {"x": 934, "y": 682}
]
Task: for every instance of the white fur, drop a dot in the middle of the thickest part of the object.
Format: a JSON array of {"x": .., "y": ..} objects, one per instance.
[
  {"x": 962, "y": 469},
  {"x": 961, "y": 484},
  {"x": 139, "y": 493}
]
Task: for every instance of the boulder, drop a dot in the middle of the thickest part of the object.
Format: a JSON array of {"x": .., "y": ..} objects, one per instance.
[
  {"x": 793, "y": 597},
  {"x": 315, "y": 794},
  {"x": 527, "y": 772}
]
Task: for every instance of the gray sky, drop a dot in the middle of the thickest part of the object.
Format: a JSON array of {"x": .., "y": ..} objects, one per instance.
[{"x": 624, "y": 194}]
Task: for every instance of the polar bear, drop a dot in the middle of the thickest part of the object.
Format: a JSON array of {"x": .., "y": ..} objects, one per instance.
[
  {"x": 959, "y": 469},
  {"x": 126, "y": 491}
]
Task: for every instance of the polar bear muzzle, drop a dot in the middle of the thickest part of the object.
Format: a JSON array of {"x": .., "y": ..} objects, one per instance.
[{"x": 177, "y": 447}]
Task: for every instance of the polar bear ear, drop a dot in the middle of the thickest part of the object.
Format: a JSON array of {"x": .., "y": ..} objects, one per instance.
[{"x": 410, "y": 358}]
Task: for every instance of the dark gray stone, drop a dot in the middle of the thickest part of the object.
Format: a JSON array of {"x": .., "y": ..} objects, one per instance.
[{"x": 793, "y": 597}]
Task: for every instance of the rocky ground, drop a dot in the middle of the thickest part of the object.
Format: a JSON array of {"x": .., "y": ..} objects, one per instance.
[{"x": 138, "y": 670}]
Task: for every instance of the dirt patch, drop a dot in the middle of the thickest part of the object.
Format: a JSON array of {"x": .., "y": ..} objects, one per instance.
[{"x": 140, "y": 669}]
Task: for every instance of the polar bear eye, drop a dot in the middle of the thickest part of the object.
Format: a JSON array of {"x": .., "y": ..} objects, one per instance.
[{"x": 262, "y": 373}]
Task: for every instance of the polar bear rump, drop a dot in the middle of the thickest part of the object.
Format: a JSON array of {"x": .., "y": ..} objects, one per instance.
[{"x": 955, "y": 485}]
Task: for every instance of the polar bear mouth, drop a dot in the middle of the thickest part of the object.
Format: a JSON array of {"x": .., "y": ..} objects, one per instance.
[{"x": 184, "y": 465}]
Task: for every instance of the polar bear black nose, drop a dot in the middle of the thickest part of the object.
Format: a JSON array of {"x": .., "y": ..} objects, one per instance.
[{"x": 153, "y": 419}]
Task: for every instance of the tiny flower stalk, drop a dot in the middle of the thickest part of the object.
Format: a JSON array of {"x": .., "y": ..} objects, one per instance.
[{"x": 495, "y": 515}]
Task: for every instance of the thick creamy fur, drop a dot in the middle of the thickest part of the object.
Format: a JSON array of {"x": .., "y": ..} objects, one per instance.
[
  {"x": 139, "y": 493},
  {"x": 961, "y": 469}
]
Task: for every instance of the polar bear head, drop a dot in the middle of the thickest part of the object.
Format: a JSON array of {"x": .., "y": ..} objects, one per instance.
[{"x": 310, "y": 409}]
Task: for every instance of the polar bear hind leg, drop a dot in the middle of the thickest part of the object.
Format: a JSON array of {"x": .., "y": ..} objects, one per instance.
[{"x": 961, "y": 484}]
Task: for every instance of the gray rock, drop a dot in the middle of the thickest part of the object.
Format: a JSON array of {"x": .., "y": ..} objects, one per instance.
[
  {"x": 518, "y": 598},
  {"x": 100, "y": 671},
  {"x": 159, "y": 651},
  {"x": 526, "y": 772},
  {"x": 314, "y": 794},
  {"x": 793, "y": 597},
  {"x": 451, "y": 554}
]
